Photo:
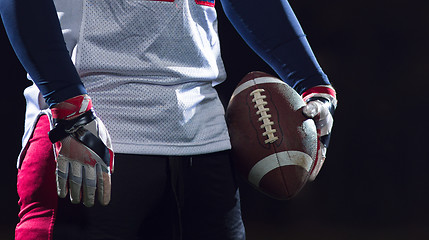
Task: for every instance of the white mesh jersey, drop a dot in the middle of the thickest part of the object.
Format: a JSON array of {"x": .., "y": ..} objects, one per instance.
[{"x": 150, "y": 68}]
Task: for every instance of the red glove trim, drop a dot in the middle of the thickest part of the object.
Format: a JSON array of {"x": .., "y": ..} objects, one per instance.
[
  {"x": 72, "y": 107},
  {"x": 319, "y": 89}
]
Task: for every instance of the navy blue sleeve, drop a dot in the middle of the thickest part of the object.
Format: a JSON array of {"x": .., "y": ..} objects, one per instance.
[
  {"x": 272, "y": 30},
  {"x": 35, "y": 35}
]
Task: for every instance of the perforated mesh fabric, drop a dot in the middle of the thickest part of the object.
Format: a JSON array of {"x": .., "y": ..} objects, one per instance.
[
  {"x": 149, "y": 67},
  {"x": 158, "y": 119}
]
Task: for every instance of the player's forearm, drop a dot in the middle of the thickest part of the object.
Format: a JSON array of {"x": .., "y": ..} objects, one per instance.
[
  {"x": 35, "y": 34},
  {"x": 274, "y": 33}
]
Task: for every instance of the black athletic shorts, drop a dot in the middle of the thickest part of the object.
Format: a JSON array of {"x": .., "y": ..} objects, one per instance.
[{"x": 159, "y": 197}]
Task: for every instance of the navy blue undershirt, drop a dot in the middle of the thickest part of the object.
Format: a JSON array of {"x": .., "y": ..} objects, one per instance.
[
  {"x": 269, "y": 27},
  {"x": 35, "y": 34},
  {"x": 272, "y": 30}
]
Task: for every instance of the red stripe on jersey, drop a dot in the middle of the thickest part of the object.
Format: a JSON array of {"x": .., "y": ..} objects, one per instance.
[
  {"x": 205, "y": 3},
  {"x": 209, "y": 3}
]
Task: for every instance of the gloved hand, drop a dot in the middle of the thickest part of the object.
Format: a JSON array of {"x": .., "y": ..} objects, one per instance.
[
  {"x": 83, "y": 152},
  {"x": 321, "y": 103}
]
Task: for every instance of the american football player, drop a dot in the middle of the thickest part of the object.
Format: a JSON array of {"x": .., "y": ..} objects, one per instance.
[{"x": 146, "y": 71}]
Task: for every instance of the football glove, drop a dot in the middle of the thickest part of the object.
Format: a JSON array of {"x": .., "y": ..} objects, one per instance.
[
  {"x": 321, "y": 103},
  {"x": 83, "y": 152}
]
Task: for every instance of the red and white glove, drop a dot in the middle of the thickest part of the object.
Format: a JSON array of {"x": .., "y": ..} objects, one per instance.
[
  {"x": 83, "y": 152},
  {"x": 321, "y": 103}
]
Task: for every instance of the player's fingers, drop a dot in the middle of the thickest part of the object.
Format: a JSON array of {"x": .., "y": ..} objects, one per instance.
[
  {"x": 75, "y": 181},
  {"x": 61, "y": 175},
  {"x": 321, "y": 156},
  {"x": 103, "y": 186},
  {"x": 312, "y": 109},
  {"x": 89, "y": 186}
]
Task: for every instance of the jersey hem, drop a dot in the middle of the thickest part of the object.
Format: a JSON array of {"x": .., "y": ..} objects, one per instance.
[{"x": 144, "y": 149}]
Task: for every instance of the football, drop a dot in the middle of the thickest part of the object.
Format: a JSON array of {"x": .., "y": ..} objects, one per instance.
[{"x": 273, "y": 144}]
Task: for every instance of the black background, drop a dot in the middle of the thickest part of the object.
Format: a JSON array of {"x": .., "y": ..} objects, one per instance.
[{"x": 375, "y": 183}]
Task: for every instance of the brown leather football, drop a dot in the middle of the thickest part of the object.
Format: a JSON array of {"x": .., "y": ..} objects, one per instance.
[{"x": 273, "y": 144}]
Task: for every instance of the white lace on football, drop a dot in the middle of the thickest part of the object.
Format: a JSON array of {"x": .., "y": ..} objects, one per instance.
[{"x": 260, "y": 104}]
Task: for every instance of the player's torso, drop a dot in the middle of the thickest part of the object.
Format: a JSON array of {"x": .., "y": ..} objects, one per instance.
[
  {"x": 149, "y": 67},
  {"x": 160, "y": 42}
]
